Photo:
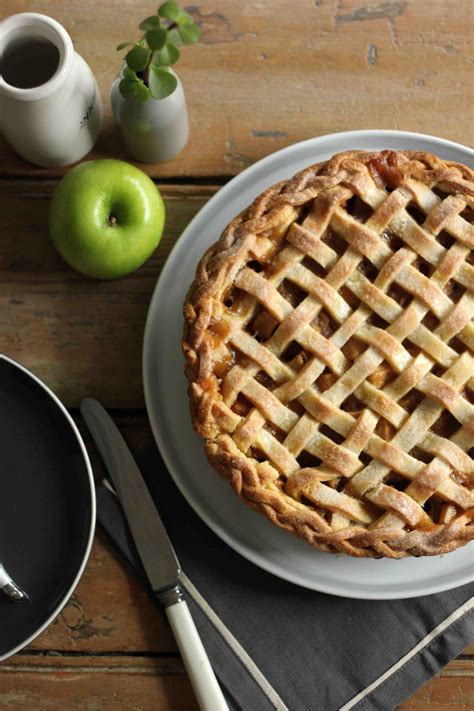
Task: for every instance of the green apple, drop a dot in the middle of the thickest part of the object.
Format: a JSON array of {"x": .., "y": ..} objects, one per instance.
[{"x": 106, "y": 218}]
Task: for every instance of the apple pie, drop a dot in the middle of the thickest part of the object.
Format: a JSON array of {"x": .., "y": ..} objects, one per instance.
[{"x": 329, "y": 349}]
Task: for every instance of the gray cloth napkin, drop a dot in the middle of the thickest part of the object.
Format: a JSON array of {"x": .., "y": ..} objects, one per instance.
[{"x": 274, "y": 645}]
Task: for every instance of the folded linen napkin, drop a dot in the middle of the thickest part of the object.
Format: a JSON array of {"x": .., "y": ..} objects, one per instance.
[{"x": 275, "y": 645}]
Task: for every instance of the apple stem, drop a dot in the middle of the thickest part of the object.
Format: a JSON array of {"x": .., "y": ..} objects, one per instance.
[{"x": 112, "y": 220}]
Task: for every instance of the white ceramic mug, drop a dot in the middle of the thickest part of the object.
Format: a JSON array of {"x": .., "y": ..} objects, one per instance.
[{"x": 58, "y": 121}]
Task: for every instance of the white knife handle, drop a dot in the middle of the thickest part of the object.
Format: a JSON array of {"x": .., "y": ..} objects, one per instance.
[{"x": 198, "y": 666}]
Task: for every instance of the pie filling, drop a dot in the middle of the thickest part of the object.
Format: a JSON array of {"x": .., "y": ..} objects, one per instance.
[{"x": 342, "y": 351}]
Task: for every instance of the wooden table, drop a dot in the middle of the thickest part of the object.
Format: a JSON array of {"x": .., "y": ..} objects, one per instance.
[{"x": 266, "y": 74}]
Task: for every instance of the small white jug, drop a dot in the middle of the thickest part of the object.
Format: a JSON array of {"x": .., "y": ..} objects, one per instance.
[
  {"x": 154, "y": 131},
  {"x": 50, "y": 105}
]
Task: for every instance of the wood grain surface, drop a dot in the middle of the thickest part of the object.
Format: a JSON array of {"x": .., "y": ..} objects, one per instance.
[
  {"x": 299, "y": 69},
  {"x": 266, "y": 74},
  {"x": 81, "y": 336}
]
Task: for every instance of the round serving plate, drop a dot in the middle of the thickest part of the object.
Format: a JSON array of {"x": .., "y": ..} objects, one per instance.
[
  {"x": 47, "y": 504},
  {"x": 245, "y": 531}
]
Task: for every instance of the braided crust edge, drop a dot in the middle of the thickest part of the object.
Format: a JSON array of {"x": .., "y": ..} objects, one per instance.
[{"x": 253, "y": 482}]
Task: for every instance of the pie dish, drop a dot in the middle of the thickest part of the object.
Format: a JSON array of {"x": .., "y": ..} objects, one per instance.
[{"x": 328, "y": 340}]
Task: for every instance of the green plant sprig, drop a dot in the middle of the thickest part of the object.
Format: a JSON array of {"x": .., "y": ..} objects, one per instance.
[{"x": 147, "y": 72}]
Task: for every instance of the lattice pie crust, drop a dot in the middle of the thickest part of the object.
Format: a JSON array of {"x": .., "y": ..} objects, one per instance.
[{"x": 329, "y": 346}]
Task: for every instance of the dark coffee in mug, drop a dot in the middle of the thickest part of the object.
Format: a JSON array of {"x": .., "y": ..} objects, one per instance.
[{"x": 28, "y": 62}]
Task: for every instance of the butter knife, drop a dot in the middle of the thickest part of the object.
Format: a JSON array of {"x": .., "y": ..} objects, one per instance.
[
  {"x": 9, "y": 587},
  {"x": 155, "y": 550}
]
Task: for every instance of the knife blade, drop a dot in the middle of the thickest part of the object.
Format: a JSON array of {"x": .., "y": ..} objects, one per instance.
[
  {"x": 155, "y": 550},
  {"x": 150, "y": 536}
]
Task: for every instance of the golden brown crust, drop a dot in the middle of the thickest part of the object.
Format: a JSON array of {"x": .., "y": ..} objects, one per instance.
[{"x": 406, "y": 200}]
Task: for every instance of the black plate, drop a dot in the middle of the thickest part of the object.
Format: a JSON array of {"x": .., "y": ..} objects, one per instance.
[{"x": 47, "y": 504}]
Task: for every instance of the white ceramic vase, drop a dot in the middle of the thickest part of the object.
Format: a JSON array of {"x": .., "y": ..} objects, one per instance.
[
  {"x": 153, "y": 131},
  {"x": 58, "y": 121}
]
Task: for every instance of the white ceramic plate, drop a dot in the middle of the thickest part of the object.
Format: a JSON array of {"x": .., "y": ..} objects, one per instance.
[{"x": 247, "y": 532}]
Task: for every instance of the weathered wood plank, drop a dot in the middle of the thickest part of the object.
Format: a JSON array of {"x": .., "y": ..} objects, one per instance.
[
  {"x": 108, "y": 612},
  {"x": 80, "y": 335},
  {"x": 147, "y": 684},
  {"x": 27, "y": 254},
  {"x": 445, "y": 692},
  {"x": 91, "y": 683},
  {"x": 442, "y": 694},
  {"x": 266, "y": 75}
]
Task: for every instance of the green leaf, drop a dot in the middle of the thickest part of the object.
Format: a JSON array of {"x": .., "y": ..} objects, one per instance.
[
  {"x": 168, "y": 55},
  {"x": 189, "y": 33},
  {"x": 169, "y": 10},
  {"x": 129, "y": 74},
  {"x": 137, "y": 58},
  {"x": 174, "y": 37},
  {"x": 128, "y": 88},
  {"x": 184, "y": 18},
  {"x": 122, "y": 45},
  {"x": 156, "y": 38},
  {"x": 161, "y": 82},
  {"x": 150, "y": 23},
  {"x": 143, "y": 93}
]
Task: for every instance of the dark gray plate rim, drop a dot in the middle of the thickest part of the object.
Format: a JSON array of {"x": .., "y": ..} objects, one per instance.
[{"x": 90, "y": 477}]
